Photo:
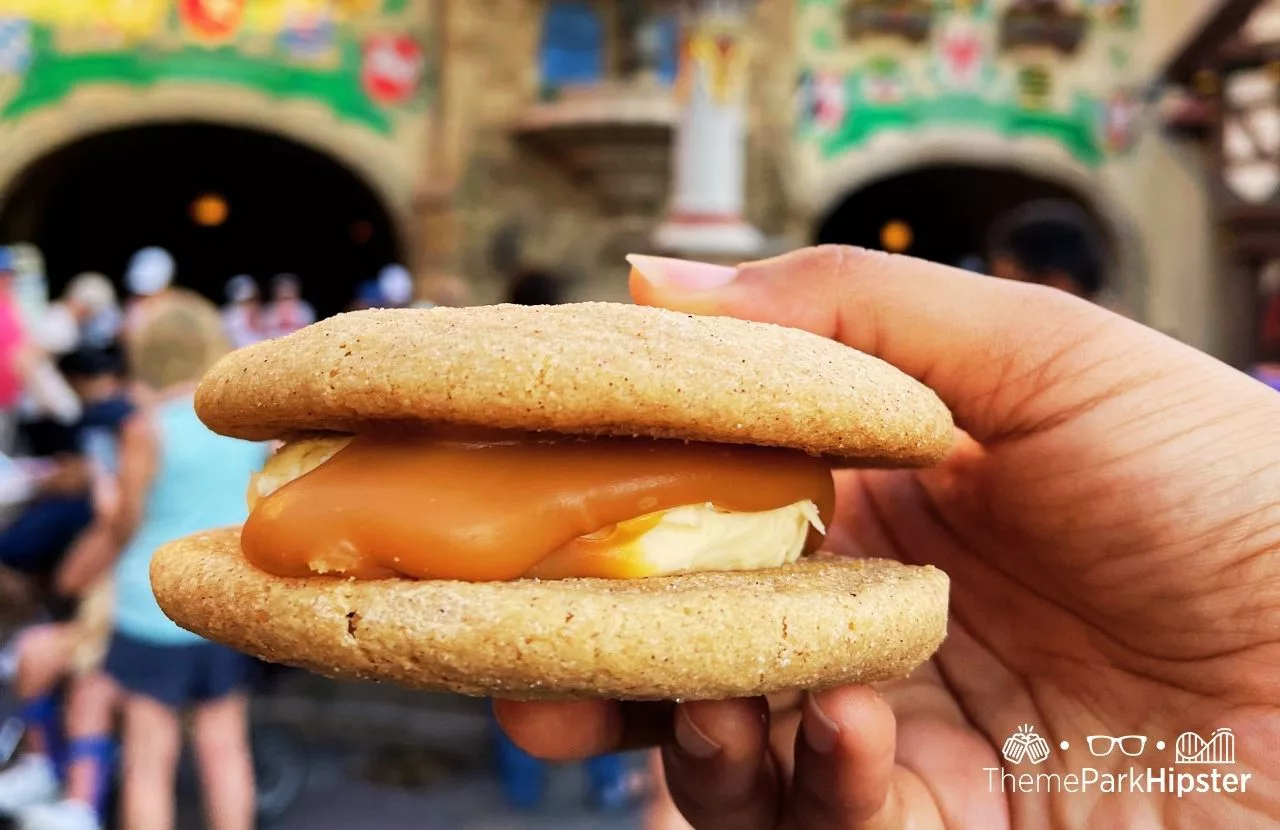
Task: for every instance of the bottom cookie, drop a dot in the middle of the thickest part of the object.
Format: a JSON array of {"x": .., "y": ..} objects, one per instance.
[{"x": 822, "y": 622}]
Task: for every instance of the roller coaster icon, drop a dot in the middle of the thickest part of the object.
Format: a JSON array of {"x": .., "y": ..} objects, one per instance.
[{"x": 1219, "y": 748}]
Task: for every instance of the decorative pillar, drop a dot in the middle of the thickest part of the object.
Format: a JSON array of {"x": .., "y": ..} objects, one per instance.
[{"x": 710, "y": 165}]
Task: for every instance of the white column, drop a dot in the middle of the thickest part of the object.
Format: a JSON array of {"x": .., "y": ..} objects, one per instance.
[{"x": 709, "y": 164}]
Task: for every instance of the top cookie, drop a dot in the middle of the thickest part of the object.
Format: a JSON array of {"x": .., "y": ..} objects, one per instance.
[{"x": 582, "y": 368}]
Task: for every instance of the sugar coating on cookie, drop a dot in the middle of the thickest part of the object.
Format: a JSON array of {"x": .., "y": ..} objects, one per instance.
[{"x": 586, "y": 368}]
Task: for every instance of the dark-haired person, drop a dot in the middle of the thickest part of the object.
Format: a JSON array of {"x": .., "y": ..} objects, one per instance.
[{"x": 1053, "y": 244}]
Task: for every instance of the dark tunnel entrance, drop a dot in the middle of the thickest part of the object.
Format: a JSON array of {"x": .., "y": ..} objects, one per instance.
[
  {"x": 942, "y": 213},
  {"x": 222, "y": 200}
]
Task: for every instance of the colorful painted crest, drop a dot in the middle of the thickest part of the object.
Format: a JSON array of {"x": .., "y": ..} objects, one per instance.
[
  {"x": 308, "y": 35},
  {"x": 884, "y": 82},
  {"x": 213, "y": 21},
  {"x": 962, "y": 55},
  {"x": 1035, "y": 85},
  {"x": 392, "y": 69}
]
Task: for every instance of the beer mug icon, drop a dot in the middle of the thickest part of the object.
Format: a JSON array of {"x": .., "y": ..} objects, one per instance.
[{"x": 1025, "y": 745}]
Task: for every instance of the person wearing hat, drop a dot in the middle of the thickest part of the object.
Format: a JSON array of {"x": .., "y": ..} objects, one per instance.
[
  {"x": 242, "y": 316},
  {"x": 287, "y": 312},
  {"x": 395, "y": 285},
  {"x": 87, "y": 316},
  {"x": 92, "y": 300},
  {"x": 148, "y": 275}
]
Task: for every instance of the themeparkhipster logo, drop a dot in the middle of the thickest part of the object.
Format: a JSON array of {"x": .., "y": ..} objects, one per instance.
[{"x": 1198, "y": 765}]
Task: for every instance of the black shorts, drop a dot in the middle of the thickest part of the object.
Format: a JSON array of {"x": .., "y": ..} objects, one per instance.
[{"x": 177, "y": 676}]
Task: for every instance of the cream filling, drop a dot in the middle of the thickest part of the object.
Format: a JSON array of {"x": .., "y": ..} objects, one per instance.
[{"x": 687, "y": 539}]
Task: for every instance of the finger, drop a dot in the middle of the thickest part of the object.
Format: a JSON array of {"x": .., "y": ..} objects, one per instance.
[
  {"x": 983, "y": 344},
  {"x": 844, "y": 763},
  {"x": 717, "y": 766},
  {"x": 565, "y": 731}
]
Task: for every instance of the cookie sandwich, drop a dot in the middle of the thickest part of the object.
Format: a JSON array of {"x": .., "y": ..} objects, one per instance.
[{"x": 585, "y": 500}]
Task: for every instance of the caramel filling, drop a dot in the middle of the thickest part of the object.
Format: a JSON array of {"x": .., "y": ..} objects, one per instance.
[{"x": 499, "y": 507}]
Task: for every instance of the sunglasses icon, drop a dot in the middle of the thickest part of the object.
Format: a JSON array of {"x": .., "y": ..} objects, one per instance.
[{"x": 1103, "y": 745}]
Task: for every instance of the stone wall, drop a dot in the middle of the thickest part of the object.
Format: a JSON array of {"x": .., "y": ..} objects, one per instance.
[
  {"x": 505, "y": 194},
  {"x": 502, "y": 190}
]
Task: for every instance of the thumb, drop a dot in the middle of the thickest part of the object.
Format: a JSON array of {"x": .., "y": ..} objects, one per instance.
[{"x": 990, "y": 348}]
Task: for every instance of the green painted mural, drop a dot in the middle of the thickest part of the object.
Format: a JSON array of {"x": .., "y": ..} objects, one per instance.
[
  {"x": 364, "y": 59},
  {"x": 1054, "y": 71}
]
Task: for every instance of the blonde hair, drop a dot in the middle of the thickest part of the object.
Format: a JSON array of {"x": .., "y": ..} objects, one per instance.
[{"x": 177, "y": 339}]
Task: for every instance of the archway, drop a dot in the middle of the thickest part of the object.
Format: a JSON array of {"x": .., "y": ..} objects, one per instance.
[
  {"x": 945, "y": 212},
  {"x": 89, "y": 205}
]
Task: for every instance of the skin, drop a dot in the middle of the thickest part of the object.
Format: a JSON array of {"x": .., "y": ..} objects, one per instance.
[{"x": 1109, "y": 519}]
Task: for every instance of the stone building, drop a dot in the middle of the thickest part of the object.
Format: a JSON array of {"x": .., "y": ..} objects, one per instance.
[{"x": 479, "y": 137}]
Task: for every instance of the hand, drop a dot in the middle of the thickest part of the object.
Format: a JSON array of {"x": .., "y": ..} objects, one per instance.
[{"x": 1110, "y": 522}]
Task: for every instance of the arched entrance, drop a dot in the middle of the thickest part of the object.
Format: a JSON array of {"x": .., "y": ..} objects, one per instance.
[
  {"x": 942, "y": 212},
  {"x": 91, "y": 204}
]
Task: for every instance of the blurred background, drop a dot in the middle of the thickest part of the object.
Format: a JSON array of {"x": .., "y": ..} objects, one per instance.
[{"x": 290, "y": 159}]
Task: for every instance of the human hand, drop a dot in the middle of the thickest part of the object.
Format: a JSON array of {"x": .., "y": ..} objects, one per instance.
[{"x": 1109, "y": 521}]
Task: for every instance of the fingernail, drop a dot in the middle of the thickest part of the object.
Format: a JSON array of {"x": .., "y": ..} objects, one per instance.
[
  {"x": 692, "y": 740},
  {"x": 681, "y": 274},
  {"x": 820, "y": 731}
]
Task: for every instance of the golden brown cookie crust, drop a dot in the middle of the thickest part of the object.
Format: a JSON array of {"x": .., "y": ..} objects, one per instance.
[
  {"x": 823, "y": 622},
  {"x": 585, "y": 368}
]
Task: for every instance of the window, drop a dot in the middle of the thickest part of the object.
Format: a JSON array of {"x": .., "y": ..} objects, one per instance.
[{"x": 572, "y": 45}]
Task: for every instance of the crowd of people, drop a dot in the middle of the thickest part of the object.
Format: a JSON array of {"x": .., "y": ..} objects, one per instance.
[{"x": 103, "y": 460}]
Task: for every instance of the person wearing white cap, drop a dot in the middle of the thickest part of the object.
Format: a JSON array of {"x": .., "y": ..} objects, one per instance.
[
  {"x": 149, "y": 274},
  {"x": 395, "y": 284},
  {"x": 87, "y": 316},
  {"x": 92, "y": 298},
  {"x": 242, "y": 315}
]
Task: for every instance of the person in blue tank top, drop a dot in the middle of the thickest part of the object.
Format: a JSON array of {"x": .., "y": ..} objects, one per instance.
[{"x": 176, "y": 477}]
